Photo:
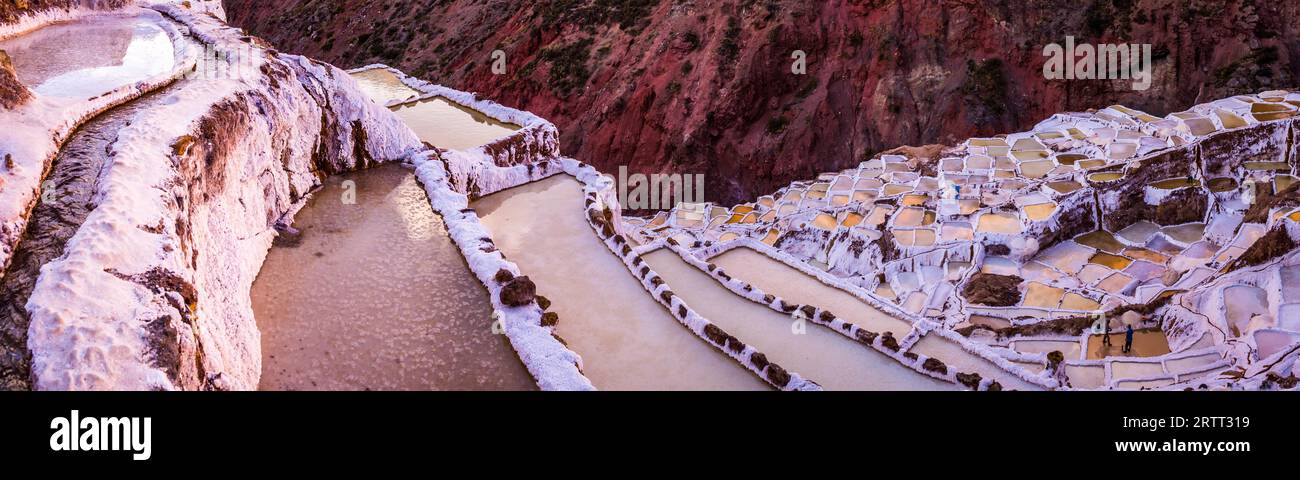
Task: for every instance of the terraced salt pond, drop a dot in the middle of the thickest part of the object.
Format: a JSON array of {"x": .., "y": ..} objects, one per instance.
[
  {"x": 383, "y": 86},
  {"x": 449, "y": 125},
  {"x": 819, "y": 354},
  {"x": 774, "y": 277},
  {"x": 794, "y": 286},
  {"x": 1146, "y": 343},
  {"x": 1105, "y": 177},
  {"x": 1086, "y": 376},
  {"x": 1000, "y": 223},
  {"x": 1107, "y": 165},
  {"x": 375, "y": 296},
  {"x": 960, "y": 360},
  {"x": 1041, "y": 211},
  {"x": 438, "y": 121},
  {"x": 626, "y": 339},
  {"x": 1270, "y": 341},
  {"x": 91, "y": 56},
  {"x": 1242, "y": 304}
]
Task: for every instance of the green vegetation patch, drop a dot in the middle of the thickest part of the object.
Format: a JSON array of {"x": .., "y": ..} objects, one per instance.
[{"x": 568, "y": 66}]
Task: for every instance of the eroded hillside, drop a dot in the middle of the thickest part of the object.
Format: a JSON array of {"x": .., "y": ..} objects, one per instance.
[{"x": 705, "y": 87}]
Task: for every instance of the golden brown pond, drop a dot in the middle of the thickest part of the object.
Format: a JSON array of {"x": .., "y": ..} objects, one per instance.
[{"x": 376, "y": 296}]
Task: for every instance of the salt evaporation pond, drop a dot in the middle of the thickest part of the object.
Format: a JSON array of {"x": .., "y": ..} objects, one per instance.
[
  {"x": 957, "y": 358},
  {"x": 383, "y": 86},
  {"x": 819, "y": 354},
  {"x": 438, "y": 121},
  {"x": 91, "y": 56},
  {"x": 626, "y": 339},
  {"x": 375, "y": 296},
  {"x": 1146, "y": 343},
  {"x": 449, "y": 125},
  {"x": 774, "y": 277}
]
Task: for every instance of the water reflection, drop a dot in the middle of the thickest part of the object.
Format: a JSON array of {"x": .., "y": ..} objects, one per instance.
[{"x": 92, "y": 56}]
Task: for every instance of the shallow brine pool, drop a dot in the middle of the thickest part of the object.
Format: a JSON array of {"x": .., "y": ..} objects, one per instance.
[
  {"x": 794, "y": 286},
  {"x": 383, "y": 86},
  {"x": 449, "y": 125},
  {"x": 958, "y": 359},
  {"x": 814, "y": 351},
  {"x": 1146, "y": 343},
  {"x": 627, "y": 340},
  {"x": 92, "y": 56},
  {"x": 375, "y": 296}
]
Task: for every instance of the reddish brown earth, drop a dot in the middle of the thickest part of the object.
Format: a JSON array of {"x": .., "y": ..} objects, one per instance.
[{"x": 706, "y": 86}]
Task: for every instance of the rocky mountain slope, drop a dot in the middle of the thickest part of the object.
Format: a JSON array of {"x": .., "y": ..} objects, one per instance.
[{"x": 706, "y": 86}]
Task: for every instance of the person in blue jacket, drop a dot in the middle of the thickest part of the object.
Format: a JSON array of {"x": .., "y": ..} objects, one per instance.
[{"x": 1128, "y": 339}]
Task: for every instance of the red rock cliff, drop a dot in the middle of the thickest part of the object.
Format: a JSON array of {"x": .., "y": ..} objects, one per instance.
[{"x": 706, "y": 86}]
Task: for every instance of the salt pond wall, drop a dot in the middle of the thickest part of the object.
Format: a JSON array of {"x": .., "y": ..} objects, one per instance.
[
  {"x": 1124, "y": 200},
  {"x": 522, "y": 320},
  {"x": 1078, "y": 215}
]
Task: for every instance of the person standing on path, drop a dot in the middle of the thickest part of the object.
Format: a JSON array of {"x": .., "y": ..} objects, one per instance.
[
  {"x": 1128, "y": 339},
  {"x": 1105, "y": 338}
]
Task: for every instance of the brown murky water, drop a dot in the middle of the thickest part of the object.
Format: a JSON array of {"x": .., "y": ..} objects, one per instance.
[
  {"x": 1064, "y": 187},
  {"x": 1101, "y": 240},
  {"x": 1222, "y": 184},
  {"x": 1105, "y": 177},
  {"x": 1039, "y": 212},
  {"x": 377, "y": 297},
  {"x": 1176, "y": 183},
  {"x": 91, "y": 56}
]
